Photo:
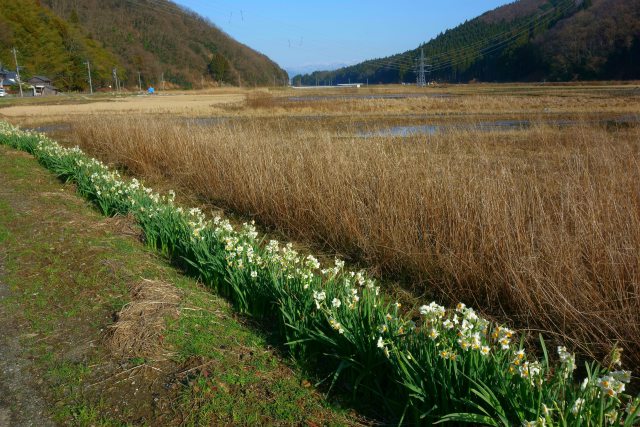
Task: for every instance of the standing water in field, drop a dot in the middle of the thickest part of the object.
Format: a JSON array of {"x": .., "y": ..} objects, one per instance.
[{"x": 500, "y": 125}]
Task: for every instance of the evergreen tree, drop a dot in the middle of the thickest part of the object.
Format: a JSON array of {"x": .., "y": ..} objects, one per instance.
[{"x": 219, "y": 68}]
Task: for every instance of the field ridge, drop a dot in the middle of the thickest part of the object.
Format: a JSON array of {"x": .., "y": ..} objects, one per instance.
[{"x": 69, "y": 271}]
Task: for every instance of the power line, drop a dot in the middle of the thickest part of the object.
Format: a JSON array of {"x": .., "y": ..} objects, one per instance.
[
  {"x": 169, "y": 9},
  {"x": 489, "y": 49},
  {"x": 520, "y": 29},
  {"x": 512, "y": 33},
  {"x": 463, "y": 54},
  {"x": 492, "y": 48},
  {"x": 458, "y": 56}
]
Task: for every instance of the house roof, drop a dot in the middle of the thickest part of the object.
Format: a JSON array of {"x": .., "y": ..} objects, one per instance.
[
  {"x": 42, "y": 79},
  {"x": 8, "y": 75}
]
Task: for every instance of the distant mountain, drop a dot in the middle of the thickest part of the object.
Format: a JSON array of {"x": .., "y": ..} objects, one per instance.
[
  {"x": 156, "y": 38},
  {"x": 308, "y": 68},
  {"x": 526, "y": 40}
]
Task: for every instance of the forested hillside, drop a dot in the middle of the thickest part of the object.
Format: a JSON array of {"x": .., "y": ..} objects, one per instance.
[
  {"x": 47, "y": 45},
  {"x": 556, "y": 40},
  {"x": 155, "y": 38}
]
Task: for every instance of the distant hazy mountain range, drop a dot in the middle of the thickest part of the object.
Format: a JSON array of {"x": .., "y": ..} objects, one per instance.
[
  {"x": 526, "y": 40},
  {"x": 309, "y": 68},
  {"x": 155, "y": 38}
]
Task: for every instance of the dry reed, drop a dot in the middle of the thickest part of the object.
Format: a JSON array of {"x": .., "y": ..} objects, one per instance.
[{"x": 538, "y": 226}]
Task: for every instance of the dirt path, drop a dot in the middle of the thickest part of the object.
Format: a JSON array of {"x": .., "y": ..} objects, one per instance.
[{"x": 20, "y": 403}]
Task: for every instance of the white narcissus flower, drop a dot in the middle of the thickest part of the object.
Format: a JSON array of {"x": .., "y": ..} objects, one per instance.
[
  {"x": 577, "y": 406},
  {"x": 433, "y": 334},
  {"x": 584, "y": 384},
  {"x": 622, "y": 376}
]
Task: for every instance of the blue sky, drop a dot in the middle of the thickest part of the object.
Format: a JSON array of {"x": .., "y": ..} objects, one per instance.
[{"x": 308, "y": 35}]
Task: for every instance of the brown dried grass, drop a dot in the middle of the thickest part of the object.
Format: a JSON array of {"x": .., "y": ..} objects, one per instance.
[
  {"x": 539, "y": 227},
  {"x": 140, "y": 325}
]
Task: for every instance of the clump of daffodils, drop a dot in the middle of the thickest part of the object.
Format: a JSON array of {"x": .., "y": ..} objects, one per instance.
[{"x": 614, "y": 382}]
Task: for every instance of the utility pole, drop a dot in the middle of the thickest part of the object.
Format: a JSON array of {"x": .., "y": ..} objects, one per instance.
[
  {"x": 139, "y": 82},
  {"x": 115, "y": 78},
  {"x": 162, "y": 78},
  {"x": 89, "y": 71},
  {"x": 15, "y": 58}
]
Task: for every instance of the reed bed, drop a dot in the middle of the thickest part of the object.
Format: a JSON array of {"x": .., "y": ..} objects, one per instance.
[
  {"x": 440, "y": 102},
  {"x": 538, "y": 227}
]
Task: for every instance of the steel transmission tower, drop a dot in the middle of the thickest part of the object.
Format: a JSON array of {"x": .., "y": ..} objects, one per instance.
[{"x": 422, "y": 78}]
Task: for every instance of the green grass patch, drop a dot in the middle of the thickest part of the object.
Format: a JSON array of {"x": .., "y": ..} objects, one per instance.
[{"x": 69, "y": 270}]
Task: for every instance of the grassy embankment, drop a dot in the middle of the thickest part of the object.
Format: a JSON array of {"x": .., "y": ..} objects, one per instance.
[
  {"x": 175, "y": 354},
  {"x": 538, "y": 226}
]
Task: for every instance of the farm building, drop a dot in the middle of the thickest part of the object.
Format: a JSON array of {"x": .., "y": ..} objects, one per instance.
[{"x": 42, "y": 86}]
